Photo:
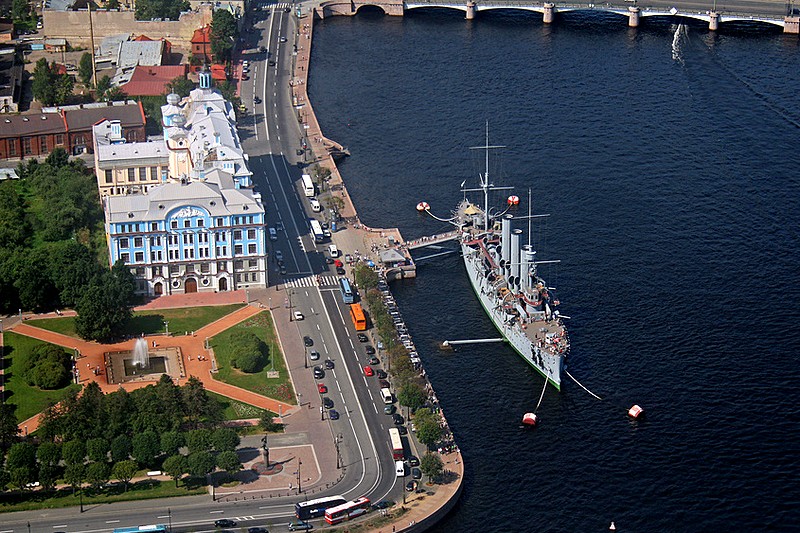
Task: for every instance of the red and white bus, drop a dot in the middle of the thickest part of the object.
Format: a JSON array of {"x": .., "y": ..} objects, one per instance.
[
  {"x": 347, "y": 511},
  {"x": 397, "y": 444}
]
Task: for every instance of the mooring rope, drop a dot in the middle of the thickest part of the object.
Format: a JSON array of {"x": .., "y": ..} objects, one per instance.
[
  {"x": 581, "y": 386},
  {"x": 541, "y": 396}
]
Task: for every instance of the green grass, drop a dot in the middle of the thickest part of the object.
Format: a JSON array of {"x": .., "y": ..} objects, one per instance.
[
  {"x": 236, "y": 410},
  {"x": 28, "y": 400},
  {"x": 142, "y": 490},
  {"x": 277, "y": 388},
  {"x": 150, "y": 322}
]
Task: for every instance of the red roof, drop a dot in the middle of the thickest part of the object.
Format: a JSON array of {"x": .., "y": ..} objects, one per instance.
[{"x": 152, "y": 81}]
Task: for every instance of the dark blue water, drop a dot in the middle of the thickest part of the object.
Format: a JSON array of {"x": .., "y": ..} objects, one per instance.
[{"x": 671, "y": 174}]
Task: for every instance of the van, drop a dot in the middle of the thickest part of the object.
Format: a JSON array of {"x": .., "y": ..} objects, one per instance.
[
  {"x": 399, "y": 468},
  {"x": 333, "y": 250},
  {"x": 273, "y": 235},
  {"x": 386, "y": 394}
]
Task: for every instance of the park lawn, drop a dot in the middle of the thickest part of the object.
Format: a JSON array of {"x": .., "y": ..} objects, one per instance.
[
  {"x": 236, "y": 410},
  {"x": 276, "y": 388},
  {"x": 181, "y": 320},
  {"x": 146, "y": 489},
  {"x": 28, "y": 400}
]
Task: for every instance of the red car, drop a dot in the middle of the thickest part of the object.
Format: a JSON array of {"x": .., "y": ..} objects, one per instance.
[
  {"x": 322, "y": 388},
  {"x": 368, "y": 371}
]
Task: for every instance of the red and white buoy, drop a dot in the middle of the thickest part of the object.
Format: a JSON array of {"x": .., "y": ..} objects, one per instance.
[
  {"x": 529, "y": 419},
  {"x": 636, "y": 412},
  {"x": 423, "y": 206},
  {"x": 513, "y": 200}
]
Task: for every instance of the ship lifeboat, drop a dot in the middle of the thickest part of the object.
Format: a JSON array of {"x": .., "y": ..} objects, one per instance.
[
  {"x": 423, "y": 206},
  {"x": 529, "y": 420},
  {"x": 513, "y": 200},
  {"x": 636, "y": 412}
]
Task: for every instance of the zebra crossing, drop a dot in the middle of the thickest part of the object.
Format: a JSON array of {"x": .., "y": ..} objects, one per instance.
[{"x": 311, "y": 280}]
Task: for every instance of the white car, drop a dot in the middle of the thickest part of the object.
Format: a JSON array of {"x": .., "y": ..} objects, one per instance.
[
  {"x": 298, "y": 315},
  {"x": 315, "y": 205}
]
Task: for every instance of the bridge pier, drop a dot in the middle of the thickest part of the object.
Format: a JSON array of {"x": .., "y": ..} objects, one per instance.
[
  {"x": 713, "y": 21},
  {"x": 633, "y": 17},
  {"x": 470, "y": 10},
  {"x": 547, "y": 14},
  {"x": 791, "y": 25}
]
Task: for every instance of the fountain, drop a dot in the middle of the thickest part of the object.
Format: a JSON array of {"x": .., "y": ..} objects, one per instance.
[{"x": 141, "y": 358}]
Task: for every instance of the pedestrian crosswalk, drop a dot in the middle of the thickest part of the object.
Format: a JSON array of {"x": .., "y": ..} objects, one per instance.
[{"x": 312, "y": 280}]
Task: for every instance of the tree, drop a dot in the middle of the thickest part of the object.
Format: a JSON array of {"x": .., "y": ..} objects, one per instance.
[
  {"x": 124, "y": 471},
  {"x": 268, "y": 424},
  {"x": 171, "y": 442},
  {"x": 74, "y": 475},
  {"x": 223, "y": 35},
  {"x": 120, "y": 448},
  {"x": 85, "y": 70},
  {"x": 431, "y": 465},
  {"x": 412, "y": 395},
  {"x": 181, "y": 86},
  {"x": 97, "y": 449},
  {"x": 74, "y": 452},
  {"x": 200, "y": 463},
  {"x": 175, "y": 466},
  {"x": 224, "y": 440},
  {"x": 97, "y": 474},
  {"x": 229, "y": 462},
  {"x": 146, "y": 447}
]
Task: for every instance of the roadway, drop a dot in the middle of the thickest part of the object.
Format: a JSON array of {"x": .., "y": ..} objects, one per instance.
[{"x": 271, "y": 136}]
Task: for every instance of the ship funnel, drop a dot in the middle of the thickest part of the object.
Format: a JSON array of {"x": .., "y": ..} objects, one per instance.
[
  {"x": 515, "y": 237},
  {"x": 506, "y": 237},
  {"x": 527, "y": 259}
]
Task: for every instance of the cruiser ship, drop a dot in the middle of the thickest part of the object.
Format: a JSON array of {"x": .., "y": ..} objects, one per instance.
[{"x": 504, "y": 275}]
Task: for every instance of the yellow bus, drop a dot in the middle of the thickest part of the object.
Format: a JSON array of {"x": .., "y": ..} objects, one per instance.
[{"x": 357, "y": 316}]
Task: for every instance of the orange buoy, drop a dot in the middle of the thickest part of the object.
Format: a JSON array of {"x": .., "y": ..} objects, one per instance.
[
  {"x": 513, "y": 200},
  {"x": 636, "y": 412},
  {"x": 529, "y": 419},
  {"x": 423, "y": 206}
]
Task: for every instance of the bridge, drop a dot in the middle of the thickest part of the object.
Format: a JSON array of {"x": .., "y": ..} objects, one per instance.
[{"x": 748, "y": 11}]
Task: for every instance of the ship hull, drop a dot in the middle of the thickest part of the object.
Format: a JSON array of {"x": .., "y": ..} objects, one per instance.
[{"x": 547, "y": 364}]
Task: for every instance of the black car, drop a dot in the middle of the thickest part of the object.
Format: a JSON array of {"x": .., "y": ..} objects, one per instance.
[
  {"x": 374, "y": 360},
  {"x": 333, "y": 414},
  {"x": 340, "y": 271},
  {"x": 413, "y": 461},
  {"x": 327, "y": 402},
  {"x": 369, "y": 349},
  {"x": 398, "y": 419},
  {"x": 308, "y": 341},
  {"x": 329, "y": 364},
  {"x": 318, "y": 373},
  {"x": 381, "y": 374},
  {"x": 224, "y": 522},
  {"x": 257, "y": 530},
  {"x": 362, "y": 338}
]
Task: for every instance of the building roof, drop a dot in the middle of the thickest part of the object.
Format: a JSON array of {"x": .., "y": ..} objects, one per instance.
[
  {"x": 163, "y": 199},
  {"x": 152, "y": 81},
  {"x": 130, "y": 114},
  {"x": 32, "y": 124},
  {"x": 133, "y": 53}
]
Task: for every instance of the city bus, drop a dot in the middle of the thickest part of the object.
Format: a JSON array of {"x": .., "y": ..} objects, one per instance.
[
  {"x": 142, "y": 529},
  {"x": 308, "y": 186},
  {"x": 346, "y": 511},
  {"x": 346, "y": 289},
  {"x": 316, "y": 230},
  {"x": 357, "y": 316},
  {"x": 397, "y": 444},
  {"x": 316, "y": 508}
]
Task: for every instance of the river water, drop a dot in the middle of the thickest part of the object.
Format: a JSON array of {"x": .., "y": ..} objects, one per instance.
[{"x": 667, "y": 158}]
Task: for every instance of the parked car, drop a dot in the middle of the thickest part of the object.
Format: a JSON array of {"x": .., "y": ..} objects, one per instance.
[
  {"x": 362, "y": 338},
  {"x": 329, "y": 364},
  {"x": 318, "y": 372},
  {"x": 314, "y": 355},
  {"x": 224, "y": 522},
  {"x": 308, "y": 341},
  {"x": 368, "y": 371},
  {"x": 369, "y": 349},
  {"x": 333, "y": 414},
  {"x": 322, "y": 388}
]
